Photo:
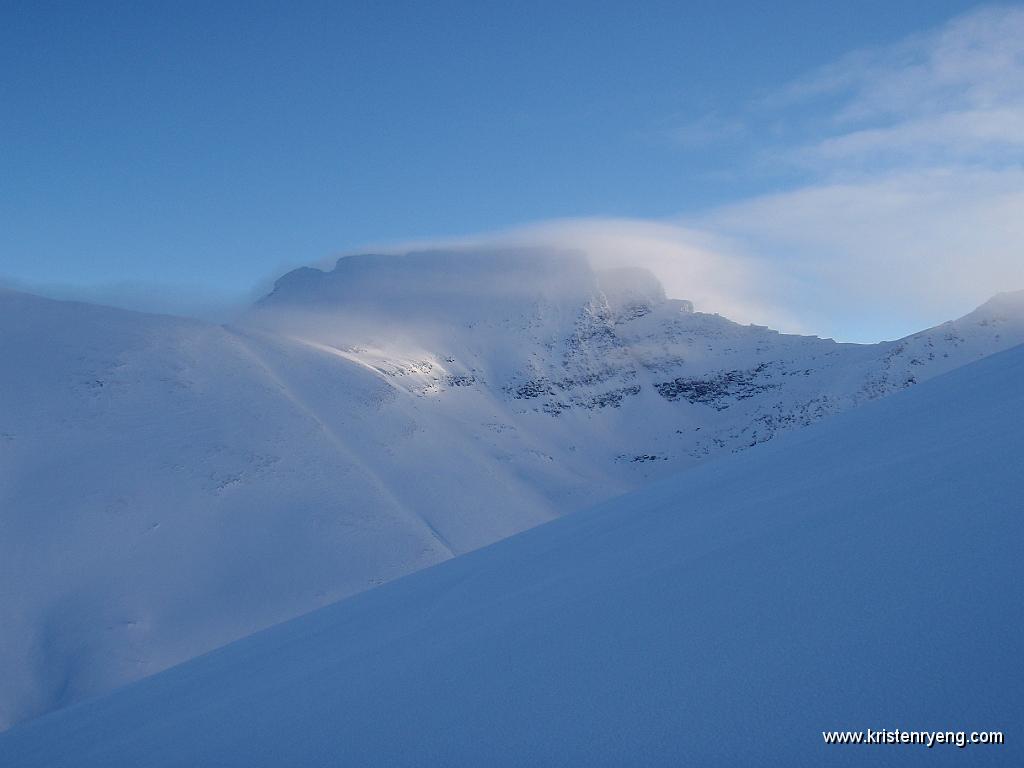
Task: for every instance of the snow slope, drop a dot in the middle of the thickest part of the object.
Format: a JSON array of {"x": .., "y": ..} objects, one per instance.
[
  {"x": 168, "y": 486},
  {"x": 862, "y": 573}
]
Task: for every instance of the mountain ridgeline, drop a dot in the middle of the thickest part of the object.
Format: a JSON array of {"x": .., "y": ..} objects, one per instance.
[
  {"x": 170, "y": 485},
  {"x": 862, "y": 573}
]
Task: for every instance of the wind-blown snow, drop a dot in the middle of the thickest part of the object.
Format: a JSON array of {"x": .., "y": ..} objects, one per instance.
[
  {"x": 863, "y": 573},
  {"x": 168, "y": 486}
]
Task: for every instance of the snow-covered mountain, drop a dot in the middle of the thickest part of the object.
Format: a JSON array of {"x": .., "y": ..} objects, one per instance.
[
  {"x": 168, "y": 486},
  {"x": 864, "y": 573}
]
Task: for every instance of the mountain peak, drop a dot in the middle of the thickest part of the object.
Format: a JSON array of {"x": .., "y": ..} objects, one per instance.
[
  {"x": 374, "y": 418},
  {"x": 630, "y": 291},
  {"x": 437, "y": 275},
  {"x": 1004, "y": 305}
]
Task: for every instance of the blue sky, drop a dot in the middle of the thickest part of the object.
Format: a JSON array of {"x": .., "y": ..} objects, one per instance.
[{"x": 209, "y": 146}]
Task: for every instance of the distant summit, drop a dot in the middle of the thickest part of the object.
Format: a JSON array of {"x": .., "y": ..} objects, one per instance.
[
  {"x": 424, "y": 277},
  {"x": 1007, "y": 306}
]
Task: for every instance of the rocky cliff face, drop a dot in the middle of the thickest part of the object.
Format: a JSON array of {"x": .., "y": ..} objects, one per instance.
[{"x": 694, "y": 384}]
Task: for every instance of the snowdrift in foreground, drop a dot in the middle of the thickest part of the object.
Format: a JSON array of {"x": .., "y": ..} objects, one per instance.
[{"x": 863, "y": 573}]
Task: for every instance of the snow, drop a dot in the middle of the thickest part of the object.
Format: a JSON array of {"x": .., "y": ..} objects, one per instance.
[
  {"x": 864, "y": 572},
  {"x": 168, "y": 486}
]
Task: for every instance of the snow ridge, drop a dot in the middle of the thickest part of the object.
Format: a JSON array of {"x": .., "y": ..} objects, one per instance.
[
  {"x": 169, "y": 486},
  {"x": 862, "y": 573}
]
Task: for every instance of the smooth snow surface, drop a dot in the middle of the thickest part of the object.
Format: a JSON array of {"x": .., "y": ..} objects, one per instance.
[
  {"x": 168, "y": 486},
  {"x": 863, "y": 573}
]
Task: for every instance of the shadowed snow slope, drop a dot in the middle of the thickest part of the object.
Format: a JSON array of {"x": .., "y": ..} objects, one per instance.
[
  {"x": 168, "y": 486},
  {"x": 863, "y": 573}
]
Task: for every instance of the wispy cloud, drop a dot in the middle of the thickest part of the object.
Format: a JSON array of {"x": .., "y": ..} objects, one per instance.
[
  {"x": 955, "y": 94},
  {"x": 909, "y": 208},
  {"x": 911, "y": 204},
  {"x": 985, "y": 136},
  {"x": 974, "y": 62},
  {"x": 887, "y": 254}
]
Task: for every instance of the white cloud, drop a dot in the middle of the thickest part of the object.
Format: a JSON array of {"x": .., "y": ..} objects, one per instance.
[
  {"x": 974, "y": 60},
  {"x": 875, "y": 258},
  {"x": 911, "y": 208},
  {"x": 958, "y": 89},
  {"x": 691, "y": 263},
  {"x": 885, "y": 255},
  {"x": 975, "y": 135}
]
